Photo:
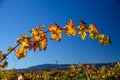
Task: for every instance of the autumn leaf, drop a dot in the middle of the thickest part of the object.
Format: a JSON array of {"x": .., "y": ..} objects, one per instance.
[
  {"x": 82, "y": 30},
  {"x": 25, "y": 41},
  {"x": 35, "y": 34},
  {"x": 39, "y": 39},
  {"x": 53, "y": 28},
  {"x": 56, "y": 32},
  {"x": 92, "y": 35},
  {"x": 35, "y": 45},
  {"x": 71, "y": 23},
  {"x": 82, "y": 34},
  {"x": 93, "y": 31},
  {"x": 82, "y": 23},
  {"x": 43, "y": 45},
  {"x": 69, "y": 28},
  {"x": 92, "y": 27},
  {"x": 22, "y": 51},
  {"x": 104, "y": 39},
  {"x": 82, "y": 26}
]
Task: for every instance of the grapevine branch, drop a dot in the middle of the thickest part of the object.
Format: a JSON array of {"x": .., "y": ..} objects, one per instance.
[
  {"x": 39, "y": 39},
  {"x": 4, "y": 57}
]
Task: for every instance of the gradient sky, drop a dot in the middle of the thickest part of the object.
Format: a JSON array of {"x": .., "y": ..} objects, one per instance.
[{"x": 19, "y": 16}]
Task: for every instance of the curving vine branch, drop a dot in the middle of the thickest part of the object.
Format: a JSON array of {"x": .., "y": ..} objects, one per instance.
[{"x": 38, "y": 38}]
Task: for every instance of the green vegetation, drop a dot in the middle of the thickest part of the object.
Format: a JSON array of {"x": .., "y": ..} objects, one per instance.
[{"x": 80, "y": 72}]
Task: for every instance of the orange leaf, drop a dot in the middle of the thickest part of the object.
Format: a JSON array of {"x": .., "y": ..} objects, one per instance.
[
  {"x": 43, "y": 45},
  {"x": 53, "y": 28},
  {"x": 56, "y": 32},
  {"x": 70, "y": 29},
  {"x": 71, "y": 23}
]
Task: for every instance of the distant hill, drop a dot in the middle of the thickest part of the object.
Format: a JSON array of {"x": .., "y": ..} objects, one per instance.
[
  {"x": 99, "y": 65},
  {"x": 49, "y": 66},
  {"x": 64, "y": 66}
]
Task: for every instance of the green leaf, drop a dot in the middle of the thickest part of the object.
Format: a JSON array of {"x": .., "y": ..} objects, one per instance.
[
  {"x": 9, "y": 48},
  {"x": 5, "y": 64},
  {"x": 1, "y": 54}
]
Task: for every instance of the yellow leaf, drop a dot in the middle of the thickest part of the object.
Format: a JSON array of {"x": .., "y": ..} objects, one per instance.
[
  {"x": 92, "y": 27},
  {"x": 56, "y": 32},
  {"x": 39, "y": 39},
  {"x": 70, "y": 29},
  {"x": 103, "y": 39},
  {"x": 93, "y": 35},
  {"x": 82, "y": 34},
  {"x": 21, "y": 52}
]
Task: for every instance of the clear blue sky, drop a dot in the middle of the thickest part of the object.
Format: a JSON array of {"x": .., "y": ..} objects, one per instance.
[{"x": 19, "y": 16}]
